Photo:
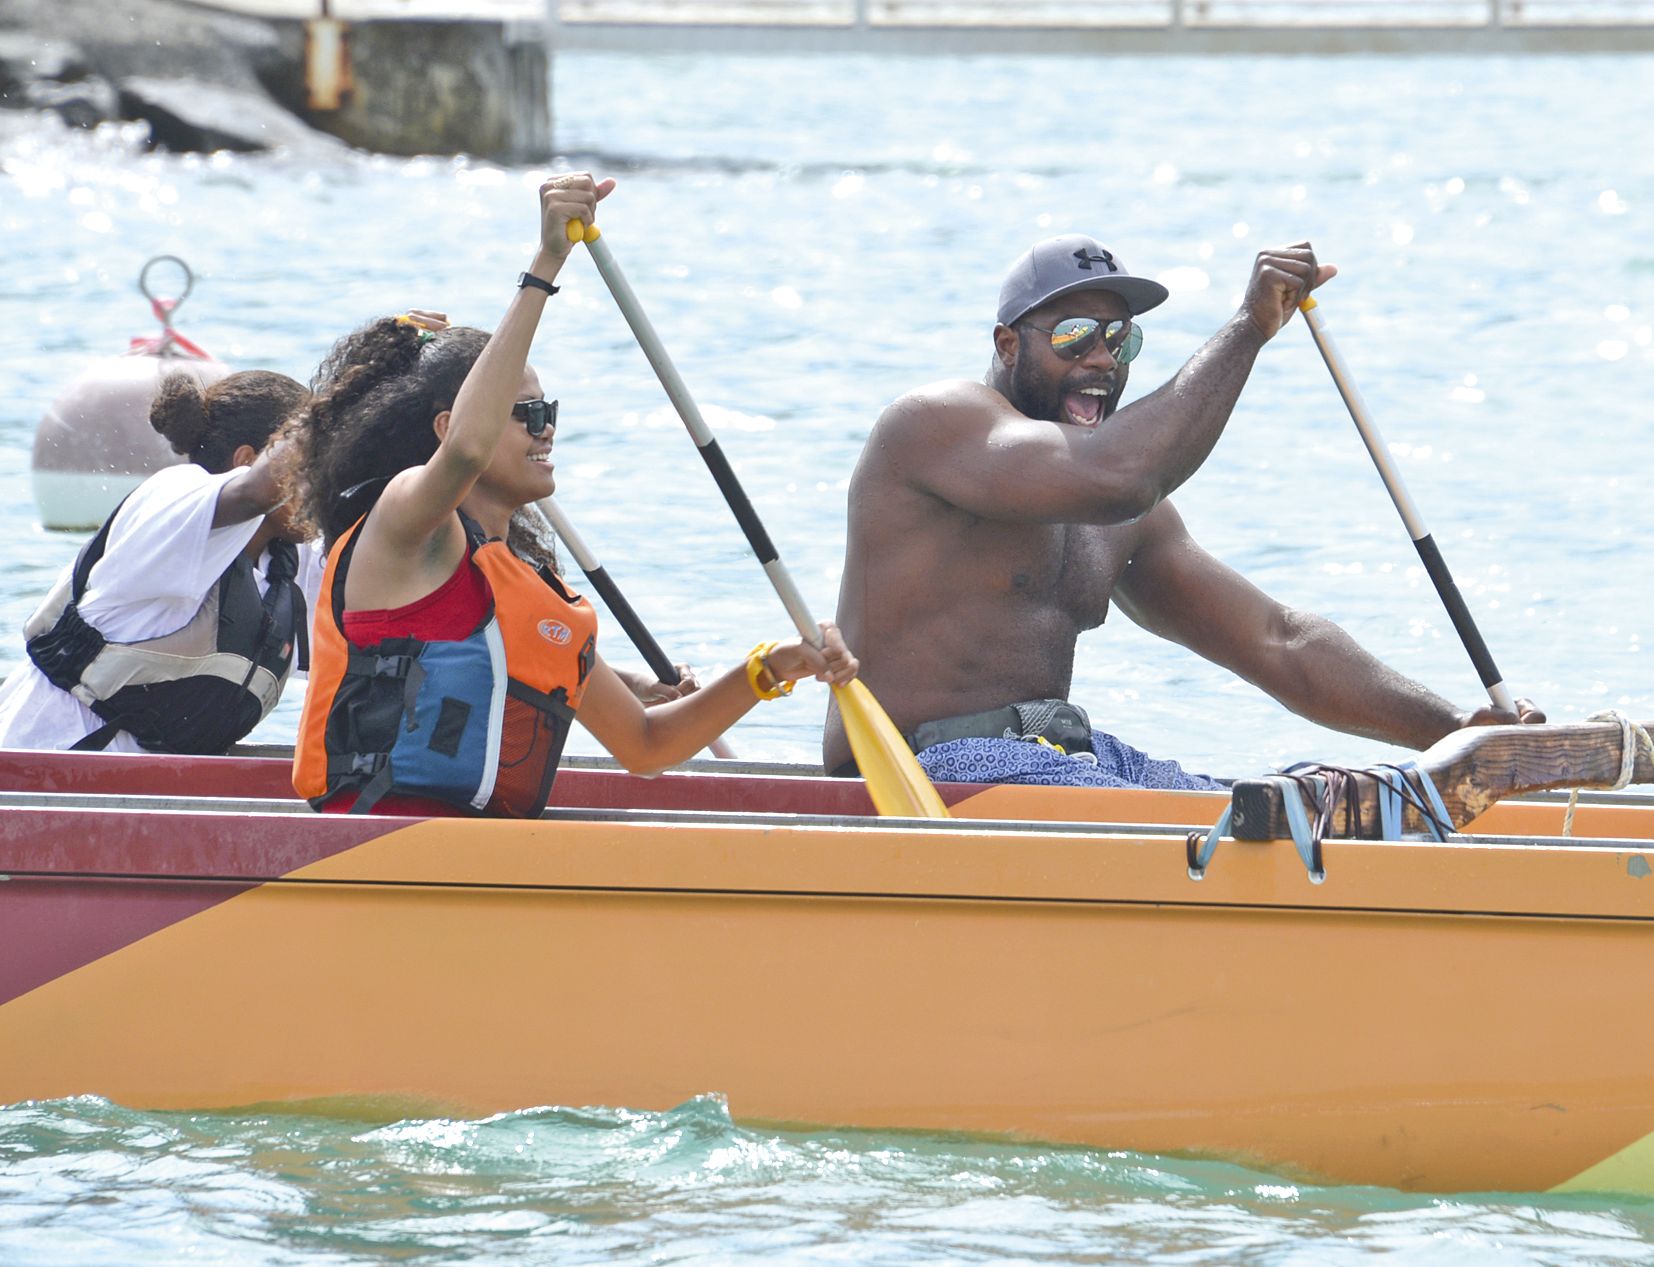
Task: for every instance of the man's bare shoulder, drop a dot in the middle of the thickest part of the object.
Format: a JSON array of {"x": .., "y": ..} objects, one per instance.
[{"x": 947, "y": 401}]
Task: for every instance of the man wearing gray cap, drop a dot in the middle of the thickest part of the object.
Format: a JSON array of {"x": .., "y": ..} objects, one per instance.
[{"x": 991, "y": 523}]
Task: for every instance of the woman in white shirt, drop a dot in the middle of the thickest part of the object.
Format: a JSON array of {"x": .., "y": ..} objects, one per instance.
[{"x": 177, "y": 626}]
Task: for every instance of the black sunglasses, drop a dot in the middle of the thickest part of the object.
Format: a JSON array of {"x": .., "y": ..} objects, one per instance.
[
  {"x": 539, "y": 416},
  {"x": 1073, "y": 338}
]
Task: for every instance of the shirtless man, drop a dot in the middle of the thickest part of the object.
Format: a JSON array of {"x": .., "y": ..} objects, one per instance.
[{"x": 991, "y": 523}]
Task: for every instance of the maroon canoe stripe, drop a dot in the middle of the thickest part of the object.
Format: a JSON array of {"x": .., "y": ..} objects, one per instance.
[
  {"x": 753, "y": 793},
  {"x": 146, "y": 774},
  {"x": 52, "y": 926},
  {"x": 140, "y": 774}
]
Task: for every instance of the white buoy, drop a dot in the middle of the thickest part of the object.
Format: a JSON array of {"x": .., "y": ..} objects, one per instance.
[{"x": 94, "y": 444}]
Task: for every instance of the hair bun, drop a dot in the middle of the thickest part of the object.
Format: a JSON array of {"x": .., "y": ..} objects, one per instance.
[{"x": 179, "y": 412}]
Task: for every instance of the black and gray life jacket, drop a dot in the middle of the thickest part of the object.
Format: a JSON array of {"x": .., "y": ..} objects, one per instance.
[{"x": 196, "y": 690}]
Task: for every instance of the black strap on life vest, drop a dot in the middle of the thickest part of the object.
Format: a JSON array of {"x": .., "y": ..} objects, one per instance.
[
  {"x": 279, "y": 580},
  {"x": 98, "y": 740},
  {"x": 393, "y": 660},
  {"x": 195, "y": 714},
  {"x": 63, "y": 652}
]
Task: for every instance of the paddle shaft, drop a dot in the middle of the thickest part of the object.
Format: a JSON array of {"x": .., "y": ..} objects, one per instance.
[
  {"x": 1434, "y": 565},
  {"x": 659, "y": 664},
  {"x": 895, "y": 781},
  {"x": 705, "y": 442}
]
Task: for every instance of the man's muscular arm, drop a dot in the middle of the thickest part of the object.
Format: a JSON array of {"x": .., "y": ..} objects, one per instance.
[
  {"x": 965, "y": 444},
  {"x": 1175, "y": 589}
]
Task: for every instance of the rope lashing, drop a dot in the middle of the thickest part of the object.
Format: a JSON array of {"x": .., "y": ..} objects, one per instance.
[
  {"x": 1632, "y": 738},
  {"x": 1399, "y": 786}
]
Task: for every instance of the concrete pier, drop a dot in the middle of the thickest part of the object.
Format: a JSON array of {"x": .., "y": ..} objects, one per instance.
[
  {"x": 955, "y": 27},
  {"x": 416, "y": 76},
  {"x": 406, "y": 77},
  {"x": 1036, "y": 26},
  {"x": 431, "y": 86}
]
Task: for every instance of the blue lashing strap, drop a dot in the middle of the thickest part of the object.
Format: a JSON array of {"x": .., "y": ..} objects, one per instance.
[
  {"x": 1396, "y": 791},
  {"x": 1200, "y": 846},
  {"x": 1308, "y": 842}
]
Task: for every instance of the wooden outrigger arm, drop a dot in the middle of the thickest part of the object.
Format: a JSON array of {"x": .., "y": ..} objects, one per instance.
[{"x": 1472, "y": 769}]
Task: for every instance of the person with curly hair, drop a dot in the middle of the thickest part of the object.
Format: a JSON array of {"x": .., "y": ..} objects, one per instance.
[
  {"x": 450, "y": 659},
  {"x": 177, "y": 626}
]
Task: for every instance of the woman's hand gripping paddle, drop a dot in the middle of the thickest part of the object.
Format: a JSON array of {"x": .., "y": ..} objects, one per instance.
[
  {"x": 630, "y": 621},
  {"x": 1423, "y": 542},
  {"x": 895, "y": 780}
]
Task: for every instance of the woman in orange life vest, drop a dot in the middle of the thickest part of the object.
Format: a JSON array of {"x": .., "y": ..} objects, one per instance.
[{"x": 445, "y": 667}]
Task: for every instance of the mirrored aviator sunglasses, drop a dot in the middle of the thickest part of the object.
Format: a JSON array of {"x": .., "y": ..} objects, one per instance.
[
  {"x": 539, "y": 416},
  {"x": 1073, "y": 338}
]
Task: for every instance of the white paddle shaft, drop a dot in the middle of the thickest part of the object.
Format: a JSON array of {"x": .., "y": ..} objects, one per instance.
[
  {"x": 1434, "y": 565},
  {"x": 1365, "y": 425},
  {"x": 678, "y": 393}
]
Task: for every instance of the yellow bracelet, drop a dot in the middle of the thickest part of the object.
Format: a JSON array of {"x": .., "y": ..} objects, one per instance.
[{"x": 758, "y": 666}]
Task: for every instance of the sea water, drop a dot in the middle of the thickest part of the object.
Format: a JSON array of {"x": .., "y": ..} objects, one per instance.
[{"x": 812, "y": 237}]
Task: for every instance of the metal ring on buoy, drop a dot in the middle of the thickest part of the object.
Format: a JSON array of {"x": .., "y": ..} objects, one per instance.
[{"x": 170, "y": 306}]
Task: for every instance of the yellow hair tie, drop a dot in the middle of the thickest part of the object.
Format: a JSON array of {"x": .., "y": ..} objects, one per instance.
[
  {"x": 425, "y": 335},
  {"x": 758, "y": 666}
]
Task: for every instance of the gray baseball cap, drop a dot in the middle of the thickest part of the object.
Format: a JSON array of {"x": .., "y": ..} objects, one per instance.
[{"x": 1063, "y": 265}]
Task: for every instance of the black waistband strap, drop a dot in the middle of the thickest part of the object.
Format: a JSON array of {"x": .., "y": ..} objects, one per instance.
[
  {"x": 1056, "y": 721},
  {"x": 991, "y": 723}
]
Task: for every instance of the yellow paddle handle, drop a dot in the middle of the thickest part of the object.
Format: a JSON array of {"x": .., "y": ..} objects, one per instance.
[
  {"x": 580, "y": 232},
  {"x": 1309, "y": 301}
]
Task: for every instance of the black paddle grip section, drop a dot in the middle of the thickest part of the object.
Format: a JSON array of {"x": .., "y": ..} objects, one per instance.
[
  {"x": 647, "y": 647},
  {"x": 1436, "y": 566},
  {"x": 724, "y": 475}
]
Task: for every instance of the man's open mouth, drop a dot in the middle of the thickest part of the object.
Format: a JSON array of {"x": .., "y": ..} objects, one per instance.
[{"x": 1085, "y": 408}]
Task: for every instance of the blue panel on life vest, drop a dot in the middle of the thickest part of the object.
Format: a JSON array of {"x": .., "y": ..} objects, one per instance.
[{"x": 445, "y": 749}]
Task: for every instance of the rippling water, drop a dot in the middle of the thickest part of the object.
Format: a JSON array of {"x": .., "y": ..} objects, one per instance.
[
  {"x": 607, "y": 1185},
  {"x": 813, "y": 237}
]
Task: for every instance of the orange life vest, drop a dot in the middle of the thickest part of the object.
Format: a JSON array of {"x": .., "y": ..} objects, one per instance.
[{"x": 479, "y": 722}]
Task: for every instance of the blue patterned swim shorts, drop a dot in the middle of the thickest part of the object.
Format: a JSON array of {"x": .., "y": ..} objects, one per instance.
[{"x": 1019, "y": 761}]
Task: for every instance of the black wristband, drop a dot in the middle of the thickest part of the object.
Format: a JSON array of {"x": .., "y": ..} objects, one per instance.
[{"x": 539, "y": 283}]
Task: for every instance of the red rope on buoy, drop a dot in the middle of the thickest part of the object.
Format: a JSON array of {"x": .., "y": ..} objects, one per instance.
[{"x": 170, "y": 342}]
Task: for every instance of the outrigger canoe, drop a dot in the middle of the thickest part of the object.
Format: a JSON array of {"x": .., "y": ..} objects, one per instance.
[{"x": 1464, "y": 1015}]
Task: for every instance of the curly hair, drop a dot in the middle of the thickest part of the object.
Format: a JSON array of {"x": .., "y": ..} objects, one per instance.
[
  {"x": 208, "y": 424},
  {"x": 369, "y": 417},
  {"x": 531, "y": 538},
  {"x": 370, "y": 411}
]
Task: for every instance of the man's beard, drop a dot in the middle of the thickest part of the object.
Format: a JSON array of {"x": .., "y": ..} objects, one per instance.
[
  {"x": 1033, "y": 395},
  {"x": 1041, "y": 398}
]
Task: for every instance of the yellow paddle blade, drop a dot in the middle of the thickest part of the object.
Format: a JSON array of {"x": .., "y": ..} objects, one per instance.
[{"x": 895, "y": 780}]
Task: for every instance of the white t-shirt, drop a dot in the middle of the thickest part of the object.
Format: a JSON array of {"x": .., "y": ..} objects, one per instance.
[{"x": 162, "y": 556}]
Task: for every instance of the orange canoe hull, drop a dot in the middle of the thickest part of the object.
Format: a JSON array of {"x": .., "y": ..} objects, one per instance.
[{"x": 1442, "y": 1017}]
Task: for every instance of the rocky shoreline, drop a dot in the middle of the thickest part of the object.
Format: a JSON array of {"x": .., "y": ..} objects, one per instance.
[{"x": 203, "y": 80}]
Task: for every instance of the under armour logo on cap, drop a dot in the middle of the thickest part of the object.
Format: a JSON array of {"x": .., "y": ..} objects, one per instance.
[{"x": 1073, "y": 262}]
